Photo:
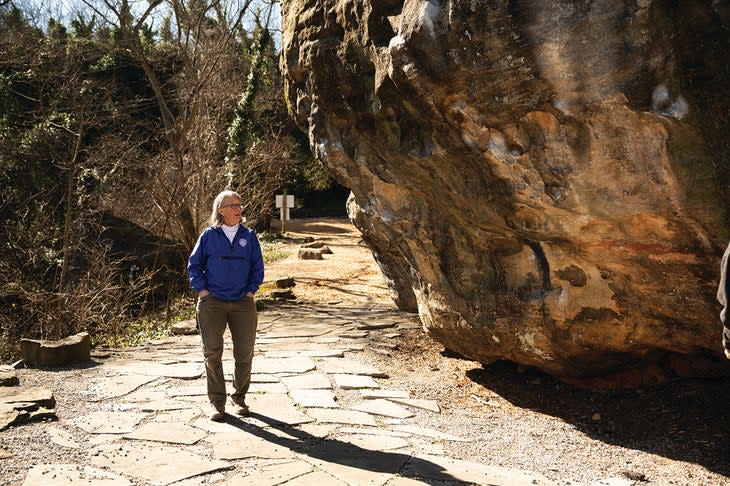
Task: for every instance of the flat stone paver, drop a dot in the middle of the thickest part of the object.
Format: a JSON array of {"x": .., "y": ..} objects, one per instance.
[
  {"x": 268, "y": 388},
  {"x": 312, "y": 347},
  {"x": 118, "y": 386},
  {"x": 187, "y": 391},
  {"x": 313, "y": 353},
  {"x": 330, "y": 339},
  {"x": 228, "y": 425},
  {"x": 185, "y": 371},
  {"x": 108, "y": 422},
  {"x": 72, "y": 475},
  {"x": 355, "y": 334},
  {"x": 348, "y": 367},
  {"x": 242, "y": 445},
  {"x": 183, "y": 416},
  {"x": 157, "y": 465},
  {"x": 358, "y": 467},
  {"x": 317, "y": 477},
  {"x": 318, "y": 430},
  {"x": 375, "y": 442},
  {"x": 62, "y": 437},
  {"x": 430, "y": 405},
  {"x": 314, "y": 398},
  {"x": 309, "y": 381},
  {"x": 340, "y": 416},
  {"x": 401, "y": 481},
  {"x": 161, "y": 405},
  {"x": 384, "y": 394},
  {"x": 383, "y": 407},
  {"x": 99, "y": 439},
  {"x": 373, "y": 431},
  {"x": 262, "y": 364},
  {"x": 303, "y": 329},
  {"x": 27, "y": 394},
  {"x": 272, "y": 475},
  {"x": 8, "y": 376},
  {"x": 277, "y": 407},
  {"x": 264, "y": 378},
  {"x": 146, "y": 394},
  {"x": 170, "y": 432},
  {"x": 355, "y": 382},
  {"x": 374, "y": 324},
  {"x": 8, "y": 415},
  {"x": 427, "y": 432}
]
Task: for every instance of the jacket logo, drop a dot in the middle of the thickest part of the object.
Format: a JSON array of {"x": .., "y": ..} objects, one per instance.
[{"x": 242, "y": 242}]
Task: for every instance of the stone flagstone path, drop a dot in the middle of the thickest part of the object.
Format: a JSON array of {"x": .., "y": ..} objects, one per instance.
[{"x": 318, "y": 417}]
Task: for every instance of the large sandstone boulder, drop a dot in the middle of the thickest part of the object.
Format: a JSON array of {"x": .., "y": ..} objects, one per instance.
[{"x": 546, "y": 182}]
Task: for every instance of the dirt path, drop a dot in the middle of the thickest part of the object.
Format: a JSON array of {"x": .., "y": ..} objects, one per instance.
[{"x": 348, "y": 276}]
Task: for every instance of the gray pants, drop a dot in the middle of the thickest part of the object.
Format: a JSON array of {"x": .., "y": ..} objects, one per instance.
[{"x": 212, "y": 315}]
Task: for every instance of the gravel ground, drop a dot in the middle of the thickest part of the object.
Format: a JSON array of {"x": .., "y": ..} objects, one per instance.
[
  {"x": 668, "y": 435},
  {"x": 675, "y": 434}
]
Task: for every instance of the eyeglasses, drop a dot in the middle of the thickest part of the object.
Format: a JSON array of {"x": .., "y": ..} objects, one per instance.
[{"x": 235, "y": 205}]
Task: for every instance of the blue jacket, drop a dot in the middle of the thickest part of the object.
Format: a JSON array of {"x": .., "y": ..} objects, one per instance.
[{"x": 228, "y": 270}]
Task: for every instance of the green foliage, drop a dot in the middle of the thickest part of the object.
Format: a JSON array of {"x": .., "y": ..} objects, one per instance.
[
  {"x": 154, "y": 325},
  {"x": 241, "y": 132},
  {"x": 271, "y": 247},
  {"x": 82, "y": 28}
]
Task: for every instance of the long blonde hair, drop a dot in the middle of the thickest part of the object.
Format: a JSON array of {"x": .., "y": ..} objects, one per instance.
[{"x": 216, "y": 218}]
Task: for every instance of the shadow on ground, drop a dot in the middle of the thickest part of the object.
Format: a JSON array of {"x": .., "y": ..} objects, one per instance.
[
  {"x": 341, "y": 453},
  {"x": 684, "y": 420}
]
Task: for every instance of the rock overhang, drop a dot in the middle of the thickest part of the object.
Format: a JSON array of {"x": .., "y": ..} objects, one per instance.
[{"x": 542, "y": 186}]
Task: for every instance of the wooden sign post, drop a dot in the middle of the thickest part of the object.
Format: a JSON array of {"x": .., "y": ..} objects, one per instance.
[{"x": 284, "y": 202}]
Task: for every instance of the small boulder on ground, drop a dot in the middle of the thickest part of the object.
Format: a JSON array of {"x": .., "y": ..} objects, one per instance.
[
  {"x": 284, "y": 283},
  {"x": 314, "y": 244},
  {"x": 71, "y": 350},
  {"x": 8, "y": 376},
  {"x": 25, "y": 404},
  {"x": 186, "y": 327},
  {"x": 283, "y": 294},
  {"x": 310, "y": 254}
]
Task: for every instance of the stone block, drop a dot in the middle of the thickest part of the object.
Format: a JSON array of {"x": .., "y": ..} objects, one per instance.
[
  {"x": 186, "y": 327},
  {"x": 8, "y": 376},
  {"x": 314, "y": 244},
  {"x": 70, "y": 350},
  {"x": 283, "y": 294},
  {"x": 25, "y": 404},
  {"x": 284, "y": 283},
  {"x": 310, "y": 254},
  {"x": 320, "y": 245}
]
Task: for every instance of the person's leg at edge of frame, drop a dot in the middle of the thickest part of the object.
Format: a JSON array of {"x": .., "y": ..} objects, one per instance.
[
  {"x": 243, "y": 324},
  {"x": 212, "y": 317}
]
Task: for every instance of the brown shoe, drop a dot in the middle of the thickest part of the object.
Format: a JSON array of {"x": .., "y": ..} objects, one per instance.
[
  {"x": 217, "y": 412},
  {"x": 240, "y": 406}
]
